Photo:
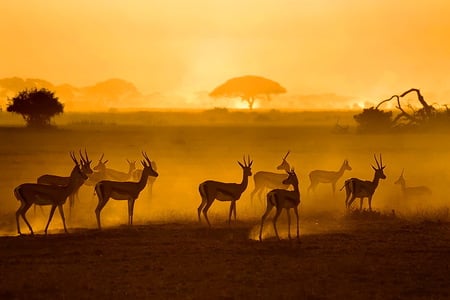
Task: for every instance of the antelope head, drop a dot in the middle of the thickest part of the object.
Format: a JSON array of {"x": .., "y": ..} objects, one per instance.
[
  {"x": 400, "y": 180},
  {"x": 85, "y": 163},
  {"x": 101, "y": 165},
  {"x": 284, "y": 164},
  {"x": 77, "y": 167},
  {"x": 247, "y": 166},
  {"x": 379, "y": 169},
  {"x": 147, "y": 164},
  {"x": 347, "y": 165},
  {"x": 292, "y": 178},
  {"x": 131, "y": 165}
]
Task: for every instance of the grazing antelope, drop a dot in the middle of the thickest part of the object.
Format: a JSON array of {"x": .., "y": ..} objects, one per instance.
[
  {"x": 211, "y": 190},
  {"x": 357, "y": 188},
  {"x": 62, "y": 181},
  {"x": 120, "y": 190},
  {"x": 412, "y": 191},
  {"x": 321, "y": 176},
  {"x": 44, "y": 194},
  {"x": 269, "y": 180},
  {"x": 283, "y": 199}
]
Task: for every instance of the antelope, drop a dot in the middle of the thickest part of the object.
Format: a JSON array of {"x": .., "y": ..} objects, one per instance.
[
  {"x": 357, "y": 188},
  {"x": 123, "y": 190},
  {"x": 412, "y": 191},
  {"x": 112, "y": 174},
  {"x": 269, "y": 180},
  {"x": 98, "y": 174},
  {"x": 211, "y": 190},
  {"x": 62, "y": 181},
  {"x": 136, "y": 174},
  {"x": 44, "y": 194},
  {"x": 321, "y": 176},
  {"x": 281, "y": 198}
]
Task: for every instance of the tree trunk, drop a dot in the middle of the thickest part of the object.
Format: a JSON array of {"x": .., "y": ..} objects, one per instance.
[{"x": 251, "y": 101}]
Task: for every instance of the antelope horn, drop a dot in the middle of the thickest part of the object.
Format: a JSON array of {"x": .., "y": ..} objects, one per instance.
[
  {"x": 103, "y": 154},
  {"x": 144, "y": 163},
  {"x": 146, "y": 158},
  {"x": 72, "y": 155},
  {"x": 381, "y": 161},
  {"x": 289, "y": 151},
  {"x": 378, "y": 165},
  {"x": 86, "y": 154},
  {"x": 84, "y": 161},
  {"x": 402, "y": 172}
]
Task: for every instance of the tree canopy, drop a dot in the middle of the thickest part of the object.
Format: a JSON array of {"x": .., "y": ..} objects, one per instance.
[
  {"x": 37, "y": 107},
  {"x": 248, "y": 88}
]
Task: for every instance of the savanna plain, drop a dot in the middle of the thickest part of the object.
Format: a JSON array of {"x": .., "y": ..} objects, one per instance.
[{"x": 401, "y": 250}]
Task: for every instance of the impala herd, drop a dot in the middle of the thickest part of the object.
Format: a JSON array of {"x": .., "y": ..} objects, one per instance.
[{"x": 52, "y": 190}]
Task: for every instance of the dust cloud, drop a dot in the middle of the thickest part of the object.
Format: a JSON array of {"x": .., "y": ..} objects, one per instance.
[{"x": 188, "y": 155}]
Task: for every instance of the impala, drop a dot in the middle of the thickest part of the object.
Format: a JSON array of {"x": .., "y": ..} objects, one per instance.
[
  {"x": 43, "y": 194},
  {"x": 123, "y": 190},
  {"x": 283, "y": 199},
  {"x": 211, "y": 190},
  {"x": 321, "y": 176},
  {"x": 98, "y": 174},
  {"x": 357, "y": 188},
  {"x": 412, "y": 191},
  {"x": 269, "y": 180},
  {"x": 62, "y": 181},
  {"x": 136, "y": 174}
]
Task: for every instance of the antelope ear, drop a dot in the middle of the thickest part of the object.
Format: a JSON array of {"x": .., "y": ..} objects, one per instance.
[
  {"x": 242, "y": 166},
  {"x": 373, "y": 168},
  {"x": 106, "y": 161}
]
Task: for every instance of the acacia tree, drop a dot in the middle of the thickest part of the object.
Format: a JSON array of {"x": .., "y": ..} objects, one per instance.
[
  {"x": 37, "y": 107},
  {"x": 248, "y": 88}
]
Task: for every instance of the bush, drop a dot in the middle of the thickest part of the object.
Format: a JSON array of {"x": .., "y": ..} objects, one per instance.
[
  {"x": 374, "y": 120},
  {"x": 37, "y": 107}
]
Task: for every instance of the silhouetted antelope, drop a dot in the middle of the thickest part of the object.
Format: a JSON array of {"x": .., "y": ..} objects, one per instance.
[
  {"x": 63, "y": 181},
  {"x": 357, "y": 188},
  {"x": 211, "y": 190},
  {"x": 136, "y": 174},
  {"x": 44, "y": 194},
  {"x": 412, "y": 191},
  {"x": 123, "y": 190},
  {"x": 283, "y": 199},
  {"x": 269, "y": 180},
  {"x": 321, "y": 176}
]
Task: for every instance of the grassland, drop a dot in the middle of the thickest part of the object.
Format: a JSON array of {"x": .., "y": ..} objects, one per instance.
[{"x": 168, "y": 255}]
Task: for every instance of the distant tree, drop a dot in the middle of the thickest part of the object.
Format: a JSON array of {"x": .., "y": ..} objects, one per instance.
[
  {"x": 37, "y": 107},
  {"x": 248, "y": 88},
  {"x": 374, "y": 120}
]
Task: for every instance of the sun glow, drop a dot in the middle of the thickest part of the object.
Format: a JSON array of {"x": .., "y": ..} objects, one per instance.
[{"x": 238, "y": 103}]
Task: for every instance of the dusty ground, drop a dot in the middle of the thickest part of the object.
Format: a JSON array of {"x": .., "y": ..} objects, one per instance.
[
  {"x": 168, "y": 255},
  {"x": 336, "y": 259}
]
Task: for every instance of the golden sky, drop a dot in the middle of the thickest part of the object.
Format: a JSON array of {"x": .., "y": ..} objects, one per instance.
[{"x": 349, "y": 47}]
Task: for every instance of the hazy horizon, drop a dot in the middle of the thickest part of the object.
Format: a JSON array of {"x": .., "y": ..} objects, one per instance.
[{"x": 365, "y": 51}]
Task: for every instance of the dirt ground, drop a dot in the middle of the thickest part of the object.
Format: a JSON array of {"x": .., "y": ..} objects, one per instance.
[
  {"x": 335, "y": 259},
  {"x": 168, "y": 255}
]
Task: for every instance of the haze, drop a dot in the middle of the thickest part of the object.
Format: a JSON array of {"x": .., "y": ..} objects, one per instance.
[{"x": 365, "y": 50}]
